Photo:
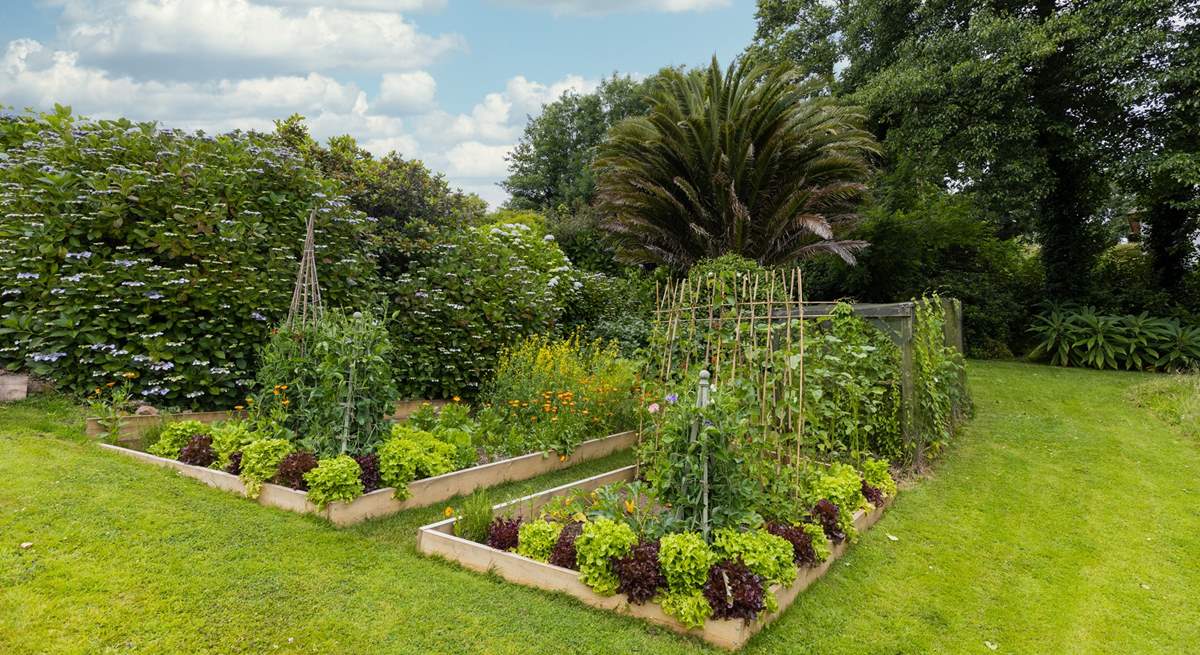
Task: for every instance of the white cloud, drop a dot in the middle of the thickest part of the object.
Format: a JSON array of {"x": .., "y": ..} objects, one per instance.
[
  {"x": 379, "y": 5},
  {"x": 406, "y": 93},
  {"x": 179, "y": 37},
  {"x": 475, "y": 159},
  {"x": 595, "y": 7},
  {"x": 469, "y": 147}
]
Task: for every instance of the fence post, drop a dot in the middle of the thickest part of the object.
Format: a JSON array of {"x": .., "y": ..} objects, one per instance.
[{"x": 702, "y": 400}]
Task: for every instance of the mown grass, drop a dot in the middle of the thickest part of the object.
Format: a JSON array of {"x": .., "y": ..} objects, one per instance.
[{"x": 1062, "y": 521}]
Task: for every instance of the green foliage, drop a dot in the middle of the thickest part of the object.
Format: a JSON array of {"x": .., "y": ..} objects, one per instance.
[
  {"x": 260, "y": 462},
  {"x": 941, "y": 247},
  {"x": 175, "y": 436},
  {"x": 939, "y": 378},
  {"x": 617, "y": 309},
  {"x": 229, "y": 437},
  {"x": 768, "y": 556},
  {"x": 474, "y": 516},
  {"x": 877, "y": 473},
  {"x": 335, "y": 479},
  {"x": 551, "y": 164},
  {"x": 685, "y": 559},
  {"x": 341, "y": 362},
  {"x": 537, "y": 538},
  {"x": 411, "y": 454},
  {"x": 841, "y": 485},
  {"x": 600, "y": 541},
  {"x": 468, "y": 296},
  {"x": 560, "y": 392},
  {"x": 1082, "y": 337},
  {"x": 401, "y": 196},
  {"x": 1174, "y": 399},
  {"x": 118, "y": 258},
  {"x": 820, "y": 543},
  {"x": 745, "y": 161},
  {"x": 852, "y": 388},
  {"x": 689, "y": 607}
]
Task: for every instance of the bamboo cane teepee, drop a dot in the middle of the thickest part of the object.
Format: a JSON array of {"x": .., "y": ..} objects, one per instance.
[{"x": 306, "y": 296}]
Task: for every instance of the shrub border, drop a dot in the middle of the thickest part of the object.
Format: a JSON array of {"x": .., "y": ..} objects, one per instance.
[
  {"x": 437, "y": 539},
  {"x": 381, "y": 502}
]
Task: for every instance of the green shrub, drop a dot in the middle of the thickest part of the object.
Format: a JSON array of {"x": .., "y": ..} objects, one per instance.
[
  {"x": 334, "y": 479},
  {"x": 472, "y": 519},
  {"x": 768, "y": 556},
  {"x": 1082, "y": 337},
  {"x": 229, "y": 437},
  {"x": 877, "y": 473},
  {"x": 175, "y": 436},
  {"x": 260, "y": 462},
  {"x": 689, "y": 607},
  {"x": 133, "y": 248},
  {"x": 600, "y": 541},
  {"x": 314, "y": 369},
  {"x": 536, "y": 539},
  {"x": 685, "y": 558},
  {"x": 469, "y": 294}
]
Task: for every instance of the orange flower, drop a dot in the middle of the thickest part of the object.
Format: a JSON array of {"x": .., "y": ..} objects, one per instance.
[
  {"x": 562, "y": 458},
  {"x": 457, "y": 399}
]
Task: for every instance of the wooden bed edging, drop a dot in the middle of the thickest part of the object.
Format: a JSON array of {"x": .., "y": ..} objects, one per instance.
[
  {"x": 438, "y": 539},
  {"x": 134, "y": 425},
  {"x": 422, "y": 493}
]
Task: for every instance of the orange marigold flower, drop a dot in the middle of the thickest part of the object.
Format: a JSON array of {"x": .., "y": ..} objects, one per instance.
[{"x": 449, "y": 511}]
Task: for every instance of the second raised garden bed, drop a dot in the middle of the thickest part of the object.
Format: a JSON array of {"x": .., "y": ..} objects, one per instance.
[
  {"x": 438, "y": 539},
  {"x": 422, "y": 493}
]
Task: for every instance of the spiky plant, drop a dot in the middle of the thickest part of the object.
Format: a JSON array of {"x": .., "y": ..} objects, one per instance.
[{"x": 748, "y": 161}]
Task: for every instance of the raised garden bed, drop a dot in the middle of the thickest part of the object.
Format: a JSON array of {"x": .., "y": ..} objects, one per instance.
[
  {"x": 438, "y": 539},
  {"x": 133, "y": 427},
  {"x": 422, "y": 493}
]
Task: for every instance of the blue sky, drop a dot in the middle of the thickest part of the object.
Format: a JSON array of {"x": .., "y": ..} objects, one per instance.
[{"x": 448, "y": 81}]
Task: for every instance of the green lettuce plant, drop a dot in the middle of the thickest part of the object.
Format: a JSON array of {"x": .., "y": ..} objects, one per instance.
[
  {"x": 229, "y": 437},
  {"x": 768, "y": 556},
  {"x": 536, "y": 539},
  {"x": 689, "y": 607},
  {"x": 877, "y": 473},
  {"x": 685, "y": 558},
  {"x": 334, "y": 479},
  {"x": 602, "y": 540},
  {"x": 260, "y": 462},
  {"x": 175, "y": 436}
]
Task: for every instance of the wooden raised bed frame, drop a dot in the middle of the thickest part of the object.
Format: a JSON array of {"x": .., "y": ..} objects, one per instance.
[
  {"x": 438, "y": 539},
  {"x": 422, "y": 493},
  {"x": 132, "y": 427}
]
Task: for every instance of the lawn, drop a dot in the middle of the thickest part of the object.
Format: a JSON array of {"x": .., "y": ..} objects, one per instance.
[{"x": 1063, "y": 520}]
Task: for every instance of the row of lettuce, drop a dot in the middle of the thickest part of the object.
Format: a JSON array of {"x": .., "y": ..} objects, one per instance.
[{"x": 623, "y": 539}]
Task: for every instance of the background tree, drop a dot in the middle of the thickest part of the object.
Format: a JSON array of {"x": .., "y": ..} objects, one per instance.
[
  {"x": 746, "y": 162},
  {"x": 550, "y": 168}
]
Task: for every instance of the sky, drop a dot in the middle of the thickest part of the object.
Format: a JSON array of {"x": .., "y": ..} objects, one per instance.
[{"x": 450, "y": 82}]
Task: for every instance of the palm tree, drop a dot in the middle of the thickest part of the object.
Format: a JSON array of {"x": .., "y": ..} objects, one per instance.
[{"x": 748, "y": 161}]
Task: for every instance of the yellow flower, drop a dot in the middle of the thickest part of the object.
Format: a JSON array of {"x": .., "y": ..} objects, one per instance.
[
  {"x": 457, "y": 399},
  {"x": 285, "y": 402},
  {"x": 238, "y": 407},
  {"x": 448, "y": 512},
  {"x": 283, "y": 386},
  {"x": 562, "y": 458},
  {"x": 629, "y": 507}
]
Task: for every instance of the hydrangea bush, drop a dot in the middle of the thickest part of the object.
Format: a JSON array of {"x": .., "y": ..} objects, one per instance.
[
  {"x": 470, "y": 294},
  {"x": 131, "y": 252}
]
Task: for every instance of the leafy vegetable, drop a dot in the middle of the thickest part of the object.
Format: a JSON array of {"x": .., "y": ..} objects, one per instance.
[
  {"x": 639, "y": 574},
  {"x": 601, "y": 541},
  {"x": 536, "y": 539},
  {"x": 734, "y": 591},
  {"x": 198, "y": 452},
  {"x": 685, "y": 559},
  {"x": 768, "y": 556},
  {"x": 175, "y": 436},
  {"x": 333, "y": 479},
  {"x": 689, "y": 607},
  {"x": 564, "y": 549},
  {"x": 293, "y": 468},
  {"x": 504, "y": 533},
  {"x": 260, "y": 462}
]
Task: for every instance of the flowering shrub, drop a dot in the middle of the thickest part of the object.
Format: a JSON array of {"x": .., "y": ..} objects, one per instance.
[
  {"x": 116, "y": 257},
  {"x": 560, "y": 392},
  {"x": 469, "y": 294}
]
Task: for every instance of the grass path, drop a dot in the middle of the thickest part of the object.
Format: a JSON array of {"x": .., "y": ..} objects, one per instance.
[{"x": 1063, "y": 520}]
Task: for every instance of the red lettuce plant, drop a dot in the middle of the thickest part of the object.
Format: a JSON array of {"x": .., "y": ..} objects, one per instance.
[
  {"x": 734, "y": 591},
  {"x": 564, "y": 549},
  {"x": 198, "y": 451},
  {"x": 803, "y": 553},
  {"x": 292, "y": 470},
  {"x": 825, "y": 514},
  {"x": 503, "y": 533},
  {"x": 369, "y": 467},
  {"x": 873, "y": 494},
  {"x": 235, "y": 463},
  {"x": 639, "y": 574}
]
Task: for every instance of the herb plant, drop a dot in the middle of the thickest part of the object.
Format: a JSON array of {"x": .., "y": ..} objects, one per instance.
[{"x": 474, "y": 516}]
